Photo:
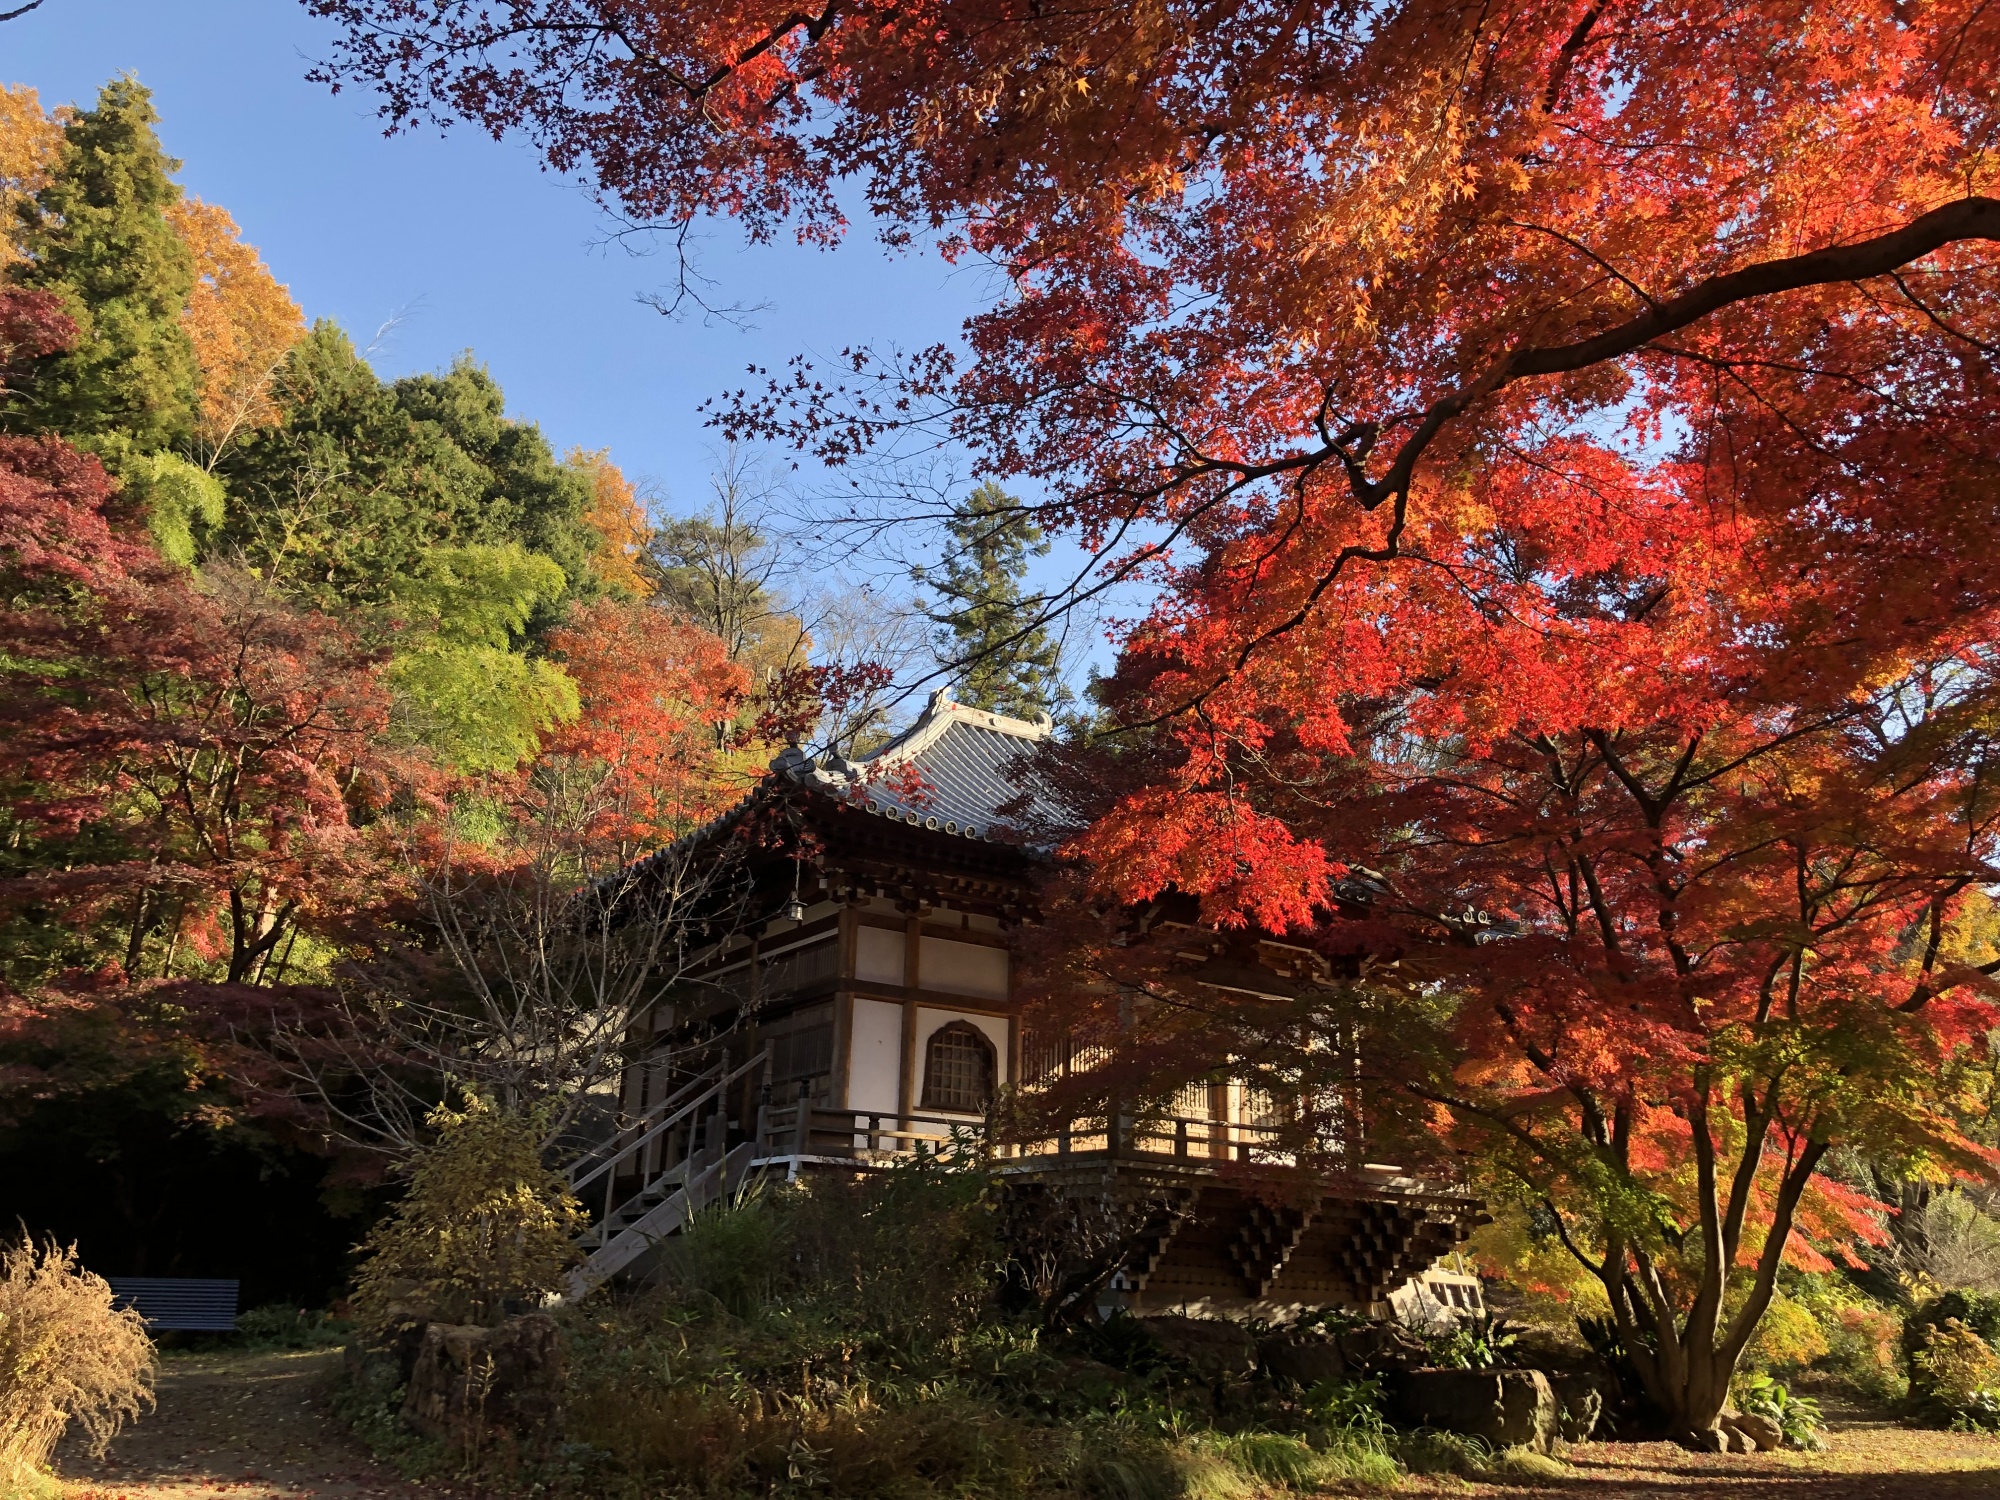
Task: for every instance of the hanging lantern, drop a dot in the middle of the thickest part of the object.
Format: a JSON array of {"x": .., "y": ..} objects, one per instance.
[{"x": 795, "y": 909}]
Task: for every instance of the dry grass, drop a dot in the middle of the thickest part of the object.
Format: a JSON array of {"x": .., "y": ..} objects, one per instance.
[{"x": 66, "y": 1355}]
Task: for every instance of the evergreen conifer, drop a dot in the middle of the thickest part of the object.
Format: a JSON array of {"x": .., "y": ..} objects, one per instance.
[
  {"x": 1002, "y": 660},
  {"x": 97, "y": 235}
]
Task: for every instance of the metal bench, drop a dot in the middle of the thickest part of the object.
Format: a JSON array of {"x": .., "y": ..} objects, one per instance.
[{"x": 181, "y": 1303}]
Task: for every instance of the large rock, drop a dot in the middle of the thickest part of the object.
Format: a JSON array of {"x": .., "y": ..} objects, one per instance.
[
  {"x": 1579, "y": 1406},
  {"x": 1306, "y": 1358},
  {"x": 1212, "y": 1347},
  {"x": 1507, "y": 1408},
  {"x": 1760, "y": 1432},
  {"x": 1375, "y": 1348},
  {"x": 469, "y": 1383}
]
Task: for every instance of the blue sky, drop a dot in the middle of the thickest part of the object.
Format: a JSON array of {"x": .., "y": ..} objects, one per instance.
[{"x": 468, "y": 240}]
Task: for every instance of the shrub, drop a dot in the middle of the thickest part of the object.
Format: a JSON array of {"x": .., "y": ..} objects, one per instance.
[
  {"x": 1484, "y": 1342},
  {"x": 904, "y": 1260},
  {"x": 1980, "y": 1414},
  {"x": 1979, "y": 1313},
  {"x": 484, "y": 1227},
  {"x": 1798, "y": 1417},
  {"x": 844, "y": 1340},
  {"x": 1788, "y": 1337},
  {"x": 1954, "y": 1367},
  {"x": 1348, "y": 1407},
  {"x": 1949, "y": 1344},
  {"x": 733, "y": 1252},
  {"x": 1862, "y": 1343},
  {"x": 67, "y": 1354},
  {"x": 834, "y": 1338},
  {"x": 282, "y": 1326}
]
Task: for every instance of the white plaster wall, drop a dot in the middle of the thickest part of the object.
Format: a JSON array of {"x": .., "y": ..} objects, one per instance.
[
  {"x": 962, "y": 968},
  {"x": 878, "y": 954},
  {"x": 876, "y": 1057},
  {"x": 995, "y": 1028}
]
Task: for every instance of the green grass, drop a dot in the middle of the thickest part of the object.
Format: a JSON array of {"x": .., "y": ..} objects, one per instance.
[
  {"x": 20, "y": 1481},
  {"x": 1280, "y": 1459}
]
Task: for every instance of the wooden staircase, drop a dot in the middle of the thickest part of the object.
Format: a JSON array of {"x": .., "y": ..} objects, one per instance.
[
  {"x": 661, "y": 1209},
  {"x": 691, "y": 1125}
]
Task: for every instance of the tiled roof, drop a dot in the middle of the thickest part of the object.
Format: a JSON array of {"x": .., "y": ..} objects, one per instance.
[{"x": 952, "y": 771}]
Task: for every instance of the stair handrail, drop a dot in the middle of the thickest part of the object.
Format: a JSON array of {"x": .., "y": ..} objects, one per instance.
[
  {"x": 715, "y": 1088},
  {"x": 620, "y": 1142},
  {"x": 693, "y": 1196}
]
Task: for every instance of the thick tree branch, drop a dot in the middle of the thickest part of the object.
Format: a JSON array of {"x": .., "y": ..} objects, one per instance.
[
  {"x": 1579, "y": 37},
  {"x": 1974, "y": 218},
  {"x": 1784, "y": 1214}
]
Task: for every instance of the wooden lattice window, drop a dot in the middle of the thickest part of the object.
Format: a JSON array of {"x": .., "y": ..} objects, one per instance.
[{"x": 958, "y": 1069}]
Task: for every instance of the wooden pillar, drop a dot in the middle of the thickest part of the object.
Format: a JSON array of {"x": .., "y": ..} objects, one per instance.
[
  {"x": 906, "y": 1104},
  {"x": 841, "y": 1085},
  {"x": 1015, "y": 1038}
]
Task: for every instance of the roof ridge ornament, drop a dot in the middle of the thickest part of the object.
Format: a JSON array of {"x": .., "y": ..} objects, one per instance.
[
  {"x": 942, "y": 710},
  {"x": 793, "y": 762}
]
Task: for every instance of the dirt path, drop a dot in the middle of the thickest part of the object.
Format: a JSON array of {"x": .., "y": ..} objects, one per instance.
[
  {"x": 235, "y": 1426},
  {"x": 1869, "y": 1457},
  {"x": 1868, "y": 1464}
]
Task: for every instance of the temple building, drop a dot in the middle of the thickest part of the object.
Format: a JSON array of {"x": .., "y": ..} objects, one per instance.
[{"x": 868, "y": 1009}]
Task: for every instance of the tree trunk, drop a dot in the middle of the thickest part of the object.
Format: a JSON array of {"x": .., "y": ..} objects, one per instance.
[{"x": 1687, "y": 1370}]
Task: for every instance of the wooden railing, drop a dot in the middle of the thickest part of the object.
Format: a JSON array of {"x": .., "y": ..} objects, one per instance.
[
  {"x": 802, "y": 1129},
  {"x": 1189, "y": 1138},
  {"x": 805, "y": 1129}
]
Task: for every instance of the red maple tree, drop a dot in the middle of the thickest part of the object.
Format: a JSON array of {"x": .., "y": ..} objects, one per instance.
[
  {"x": 1259, "y": 242},
  {"x": 1632, "y": 860},
  {"x": 196, "y": 763},
  {"x": 659, "y": 699},
  {"x": 1562, "y": 437}
]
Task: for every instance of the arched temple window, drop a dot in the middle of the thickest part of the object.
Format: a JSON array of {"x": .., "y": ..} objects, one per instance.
[{"x": 958, "y": 1069}]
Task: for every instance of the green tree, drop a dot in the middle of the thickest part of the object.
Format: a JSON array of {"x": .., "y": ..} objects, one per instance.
[
  {"x": 1001, "y": 658},
  {"x": 514, "y": 488},
  {"x": 331, "y": 501},
  {"x": 484, "y": 1223},
  {"x": 346, "y": 499},
  {"x": 97, "y": 235},
  {"x": 463, "y": 688}
]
